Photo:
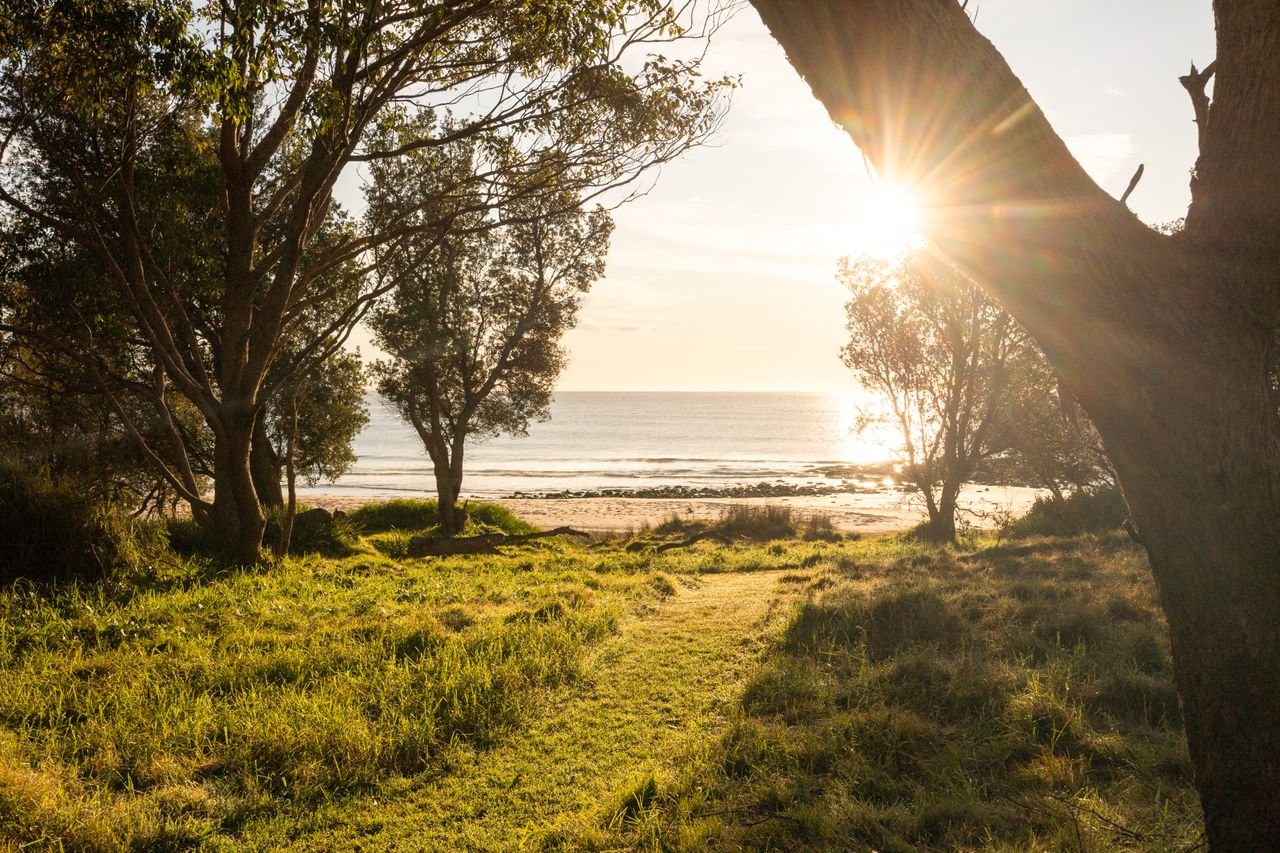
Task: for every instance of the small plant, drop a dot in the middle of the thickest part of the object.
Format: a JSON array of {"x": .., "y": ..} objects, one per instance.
[{"x": 416, "y": 515}]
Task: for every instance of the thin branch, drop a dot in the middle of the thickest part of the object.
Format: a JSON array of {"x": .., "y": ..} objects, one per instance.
[{"x": 1133, "y": 183}]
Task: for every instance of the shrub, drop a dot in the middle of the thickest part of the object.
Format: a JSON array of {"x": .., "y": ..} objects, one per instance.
[
  {"x": 53, "y": 531},
  {"x": 398, "y": 514},
  {"x": 317, "y": 531},
  {"x": 411, "y": 514},
  {"x": 1095, "y": 510}
]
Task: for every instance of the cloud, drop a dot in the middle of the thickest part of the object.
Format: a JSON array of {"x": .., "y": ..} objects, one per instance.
[{"x": 1102, "y": 154}]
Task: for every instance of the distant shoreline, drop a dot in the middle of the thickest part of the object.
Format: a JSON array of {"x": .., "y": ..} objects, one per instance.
[{"x": 883, "y": 510}]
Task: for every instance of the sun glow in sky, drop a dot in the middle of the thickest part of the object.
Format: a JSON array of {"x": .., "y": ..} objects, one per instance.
[
  {"x": 723, "y": 277},
  {"x": 888, "y": 221}
]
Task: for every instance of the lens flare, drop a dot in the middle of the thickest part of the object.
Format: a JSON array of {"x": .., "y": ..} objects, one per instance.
[{"x": 890, "y": 223}]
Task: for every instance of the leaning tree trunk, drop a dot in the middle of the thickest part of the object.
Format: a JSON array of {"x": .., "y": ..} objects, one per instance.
[
  {"x": 1165, "y": 340},
  {"x": 1203, "y": 486}
]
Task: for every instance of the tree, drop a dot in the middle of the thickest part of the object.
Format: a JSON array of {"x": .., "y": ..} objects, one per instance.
[
  {"x": 74, "y": 420},
  {"x": 942, "y": 356},
  {"x": 1166, "y": 340},
  {"x": 289, "y": 92},
  {"x": 312, "y": 424},
  {"x": 474, "y": 322},
  {"x": 1052, "y": 444}
]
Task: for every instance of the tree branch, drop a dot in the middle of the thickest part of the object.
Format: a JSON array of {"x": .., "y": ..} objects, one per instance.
[
  {"x": 935, "y": 107},
  {"x": 1195, "y": 83}
]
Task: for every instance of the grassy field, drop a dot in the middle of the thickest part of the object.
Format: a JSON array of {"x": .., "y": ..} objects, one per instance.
[
  {"x": 807, "y": 693},
  {"x": 1007, "y": 697}
]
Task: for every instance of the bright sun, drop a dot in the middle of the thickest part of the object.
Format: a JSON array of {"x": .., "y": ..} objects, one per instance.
[{"x": 890, "y": 221}]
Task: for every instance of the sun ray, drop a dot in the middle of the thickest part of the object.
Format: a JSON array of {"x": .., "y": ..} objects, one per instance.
[{"x": 890, "y": 221}]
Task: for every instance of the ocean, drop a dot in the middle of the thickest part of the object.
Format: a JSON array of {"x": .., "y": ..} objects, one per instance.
[{"x": 617, "y": 440}]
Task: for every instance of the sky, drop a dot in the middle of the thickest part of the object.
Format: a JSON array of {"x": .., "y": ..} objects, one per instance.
[{"x": 723, "y": 276}]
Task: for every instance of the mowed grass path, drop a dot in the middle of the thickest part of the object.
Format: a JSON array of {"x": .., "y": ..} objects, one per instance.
[{"x": 665, "y": 681}]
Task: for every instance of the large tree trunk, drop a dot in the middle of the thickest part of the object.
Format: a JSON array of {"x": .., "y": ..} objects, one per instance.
[
  {"x": 1166, "y": 341},
  {"x": 237, "y": 518},
  {"x": 1201, "y": 477}
]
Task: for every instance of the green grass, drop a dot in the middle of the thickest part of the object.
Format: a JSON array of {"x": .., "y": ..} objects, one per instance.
[
  {"x": 165, "y": 716},
  {"x": 810, "y": 692},
  {"x": 1012, "y": 698},
  {"x": 746, "y": 523}
]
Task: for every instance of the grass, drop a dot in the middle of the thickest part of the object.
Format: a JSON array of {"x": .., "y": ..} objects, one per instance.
[
  {"x": 804, "y": 692},
  {"x": 745, "y": 523},
  {"x": 166, "y": 716},
  {"x": 1007, "y": 698}
]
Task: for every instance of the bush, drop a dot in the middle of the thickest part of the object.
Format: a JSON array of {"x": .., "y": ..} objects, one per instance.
[
  {"x": 410, "y": 514},
  {"x": 1096, "y": 510},
  {"x": 318, "y": 531},
  {"x": 51, "y": 531},
  {"x": 820, "y": 528},
  {"x": 398, "y": 514}
]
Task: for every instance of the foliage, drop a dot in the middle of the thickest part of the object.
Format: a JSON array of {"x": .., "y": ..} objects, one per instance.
[
  {"x": 315, "y": 531},
  {"x": 922, "y": 699},
  {"x": 1051, "y": 441},
  {"x": 416, "y": 515},
  {"x": 77, "y": 422},
  {"x": 57, "y": 532},
  {"x": 1100, "y": 509},
  {"x": 133, "y": 130},
  {"x": 963, "y": 386},
  {"x": 310, "y": 427},
  {"x": 473, "y": 321},
  {"x": 940, "y": 353}
]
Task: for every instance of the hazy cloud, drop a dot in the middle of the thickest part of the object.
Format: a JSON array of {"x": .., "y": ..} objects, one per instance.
[{"x": 1102, "y": 154}]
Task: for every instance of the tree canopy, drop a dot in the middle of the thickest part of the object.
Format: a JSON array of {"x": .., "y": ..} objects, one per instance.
[
  {"x": 473, "y": 322},
  {"x": 120, "y": 119}
]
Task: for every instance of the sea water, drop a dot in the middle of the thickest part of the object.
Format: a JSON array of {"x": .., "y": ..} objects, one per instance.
[{"x": 619, "y": 440}]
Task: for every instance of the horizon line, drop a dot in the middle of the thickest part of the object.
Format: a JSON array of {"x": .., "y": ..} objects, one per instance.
[{"x": 706, "y": 390}]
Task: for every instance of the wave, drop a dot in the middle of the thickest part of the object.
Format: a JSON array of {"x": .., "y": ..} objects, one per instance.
[{"x": 613, "y": 473}]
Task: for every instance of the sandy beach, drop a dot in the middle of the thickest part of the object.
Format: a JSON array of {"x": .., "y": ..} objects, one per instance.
[{"x": 881, "y": 511}]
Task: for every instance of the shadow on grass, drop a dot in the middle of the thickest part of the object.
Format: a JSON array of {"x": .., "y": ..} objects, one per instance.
[{"x": 1005, "y": 699}]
